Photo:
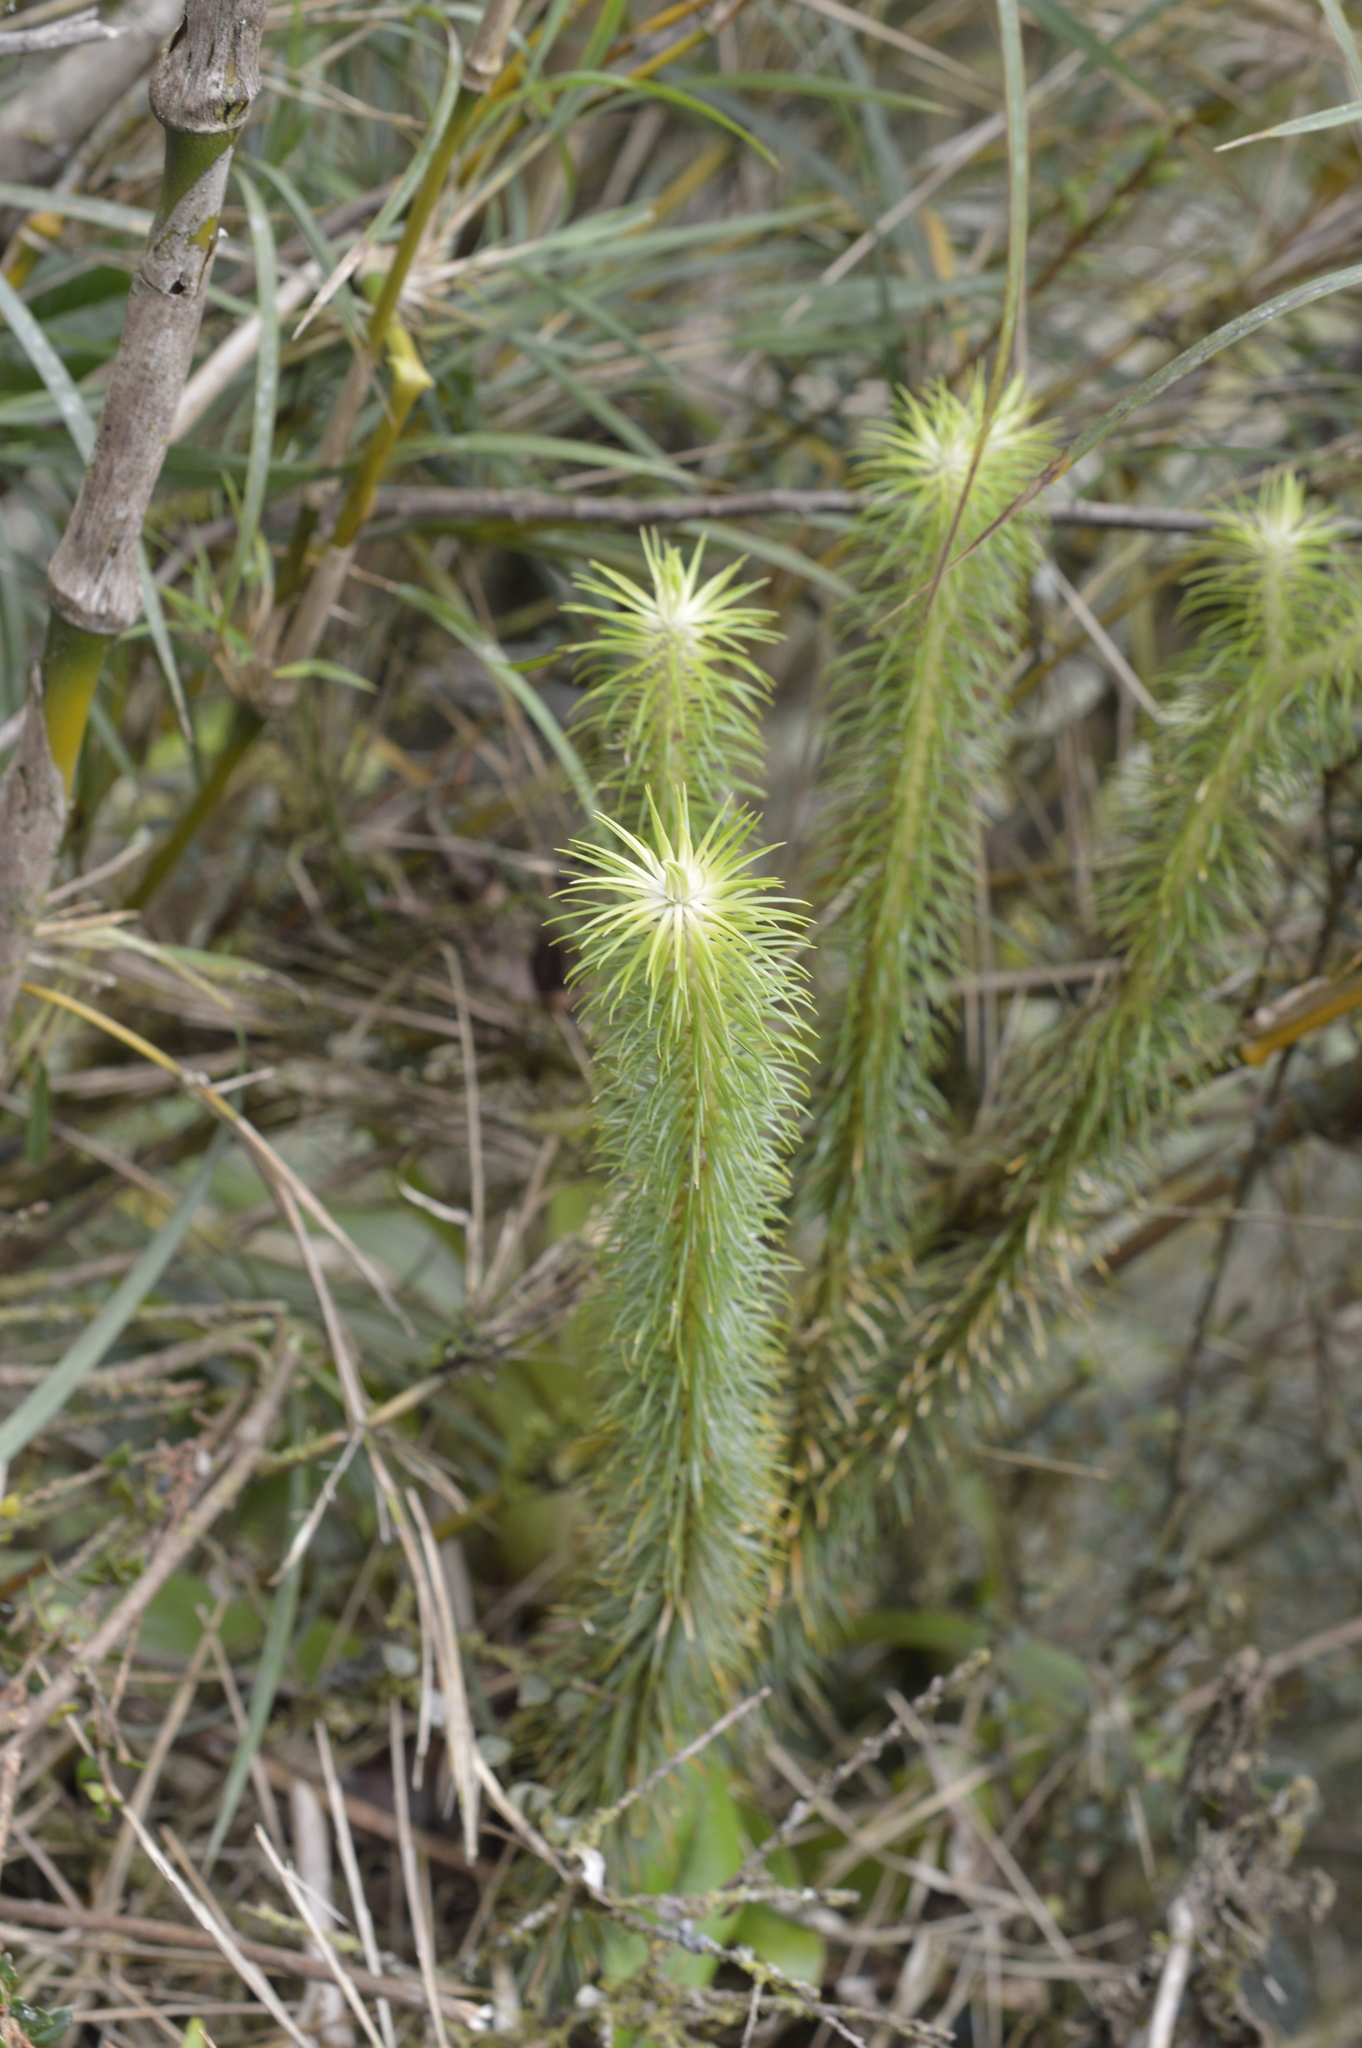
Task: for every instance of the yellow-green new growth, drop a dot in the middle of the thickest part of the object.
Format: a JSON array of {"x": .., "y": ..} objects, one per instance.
[
  {"x": 676, "y": 697},
  {"x": 689, "y": 960}
]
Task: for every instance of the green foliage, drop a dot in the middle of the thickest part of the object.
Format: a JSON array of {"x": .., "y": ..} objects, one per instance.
[
  {"x": 915, "y": 726},
  {"x": 677, "y": 695},
  {"x": 689, "y": 961},
  {"x": 1258, "y": 717},
  {"x": 39, "y": 2028}
]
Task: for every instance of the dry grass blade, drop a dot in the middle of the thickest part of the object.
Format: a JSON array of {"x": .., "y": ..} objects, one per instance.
[
  {"x": 459, "y": 1735},
  {"x": 411, "y": 1876},
  {"x": 304, "y": 1908},
  {"x": 345, "y": 1843},
  {"x": 115, "y": 1875},
  {"x": 214, "y": 1926}
]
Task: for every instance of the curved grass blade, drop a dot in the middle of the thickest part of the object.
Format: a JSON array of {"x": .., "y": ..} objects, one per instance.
[
  {"x": 800, "y": 82},
  {"x": 47, "y": 1399},
  {"x": 396, "y": 204},
  {"x": 1346, "y": 40},
  {"x": 1063, "y": 25},
  {"x": 1018, "y": 198},
  {"x": 625, "y": 89},
  {"x": 470, "y": 634},
  {"x": 100, "y": 213},
  {"x": 1154, "y": 387},
  {"x": 159, "y": 632},
  {"x": 539, "y": 448},
  {"x": 763, "y": 549},
  {"x": 56, "y": 377}
]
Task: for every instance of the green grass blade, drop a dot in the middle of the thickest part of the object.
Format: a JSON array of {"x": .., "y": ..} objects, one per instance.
[
  {"x": 266, "y": 389},
  {"x": 1346, "y": 40},
  {"x": 539, "y": 448},
  {"x": 798, "y": 82},
  {"x": 100, "y": 213},
  {"x": 470, "y": 634},
  {"x": 1018, "y": 191},
  {"x": 596, "y": 403},
  {"x": 165, "y": 652},
  {"x": 1066, "y": 28},
  {"x": 93, "y": 1343},
  {"x": 396, "y": 205},
  {"x": 278, "y": 1638},
  {"x": 625, "y": 89},
  {"x": 763, "y": 549},
  {"x": 1162, "y": 380},
  {"x": 1305, "y": 124},
  {"x": 61, "y": 390}
]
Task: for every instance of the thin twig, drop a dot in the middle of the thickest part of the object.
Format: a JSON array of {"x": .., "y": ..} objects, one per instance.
[
  {"x": 85, "y": 27},
  {"x": 411, "y": 1877},
  {"x": 345, "y": 1843},
  {"x": 167, "y": 1935},
  {"x": 418, "y": 502},
  {"x": 1173, "y": 1982},
  {"x": 588, "y": 1836}
]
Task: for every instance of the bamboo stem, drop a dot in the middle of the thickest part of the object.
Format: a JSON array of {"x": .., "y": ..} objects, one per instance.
[
  {"x": 322, "y": 576},
  {"x": 410, "y": 378},
  {"x": 201, "y": 93},
  {"x": 481, "y": 68},
  {"x": 72, "y": 660}
]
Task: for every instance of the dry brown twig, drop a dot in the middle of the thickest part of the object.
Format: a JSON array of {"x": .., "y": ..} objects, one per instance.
[{"x": 170, "y": 1936}]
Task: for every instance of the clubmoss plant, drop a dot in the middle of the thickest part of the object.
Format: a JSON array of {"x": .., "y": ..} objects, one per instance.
[
  {"x": 1259, "y": 715},
  {"x": 697, "y": 1001},
  {"x": 676, "y": 695},
  {"x": 915, "y": 728}
]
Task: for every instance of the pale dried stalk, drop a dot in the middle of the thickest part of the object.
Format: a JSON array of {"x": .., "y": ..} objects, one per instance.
[
  {"x": 411, "y": 1877},
  {"x": 1176, "y": 1969},
  {"x": 324, "y": 2008},
  {"x": 459, "y": 1734},
  {"x": 11, "y": 1764},
  {"x": 359, "y": 1905},
  {"x": 211, "y": 1923}
]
